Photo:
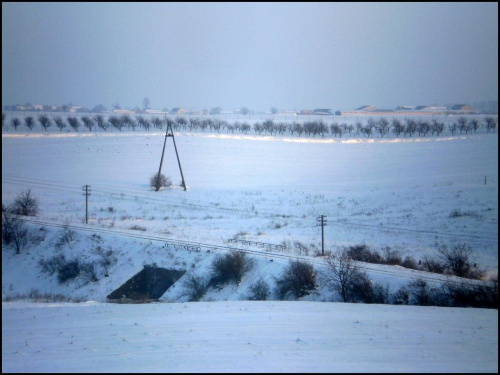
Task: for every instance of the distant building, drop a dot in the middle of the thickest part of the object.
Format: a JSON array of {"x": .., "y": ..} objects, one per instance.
[
  {"x": 322, "y": 112},
  {"x": 366, "y": 108},
  {"x": 153, "y": 111},
  {"x": 306, "y": 112},
  {"x": 177, "y": 111},
  {"x": 123, "y": 111},
  {"x": 461, "y": 108}
]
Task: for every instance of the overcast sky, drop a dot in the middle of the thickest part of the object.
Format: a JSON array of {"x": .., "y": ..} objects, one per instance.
[{"x": 257, "y": 55}]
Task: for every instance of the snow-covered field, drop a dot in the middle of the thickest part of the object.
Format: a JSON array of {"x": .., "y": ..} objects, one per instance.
[
  {"x": 247, "y": 336},
  {"x": 271, "y": 189}
]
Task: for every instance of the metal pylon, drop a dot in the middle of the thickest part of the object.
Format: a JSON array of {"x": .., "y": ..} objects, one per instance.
[{"x": 171, "y": 134}]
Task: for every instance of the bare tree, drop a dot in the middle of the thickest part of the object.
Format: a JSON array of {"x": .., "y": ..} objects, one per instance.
[
  {"x": 25, "y": 204},
  {"x": 452, "y": 127},
  {"x": 349, "y": 128},
  {"x": 473, "y": 124},
  {"x": 98, "y": 108},
  {"x": 244, "y": 110},
  {"x": 181, "y": 122},
  {"x": 14, "y": 231},
  {"x": 383, "y": 127},
  {"x": 116, "y": 122},
  {"x": 397, "y": 127},
  {"x": 215, "y": 110},
  {"x": 127, "y": 121},
  {"x": 15, "y": 122},
  {"x": 144, "y": 123},
  {"x": 359, "y": 128},
  {"x": 367, "y": 130},
  {"x": 29, "y": 122},
  {"x": 157, "y": 122},
  {"x": 437, "y": 127},
  {"x": 423, "y": 127},
  {"x": 88, "y": 122},
  {"x": 299, "y": 128},
  {"x": 491, "y": 124},
  {"x": 336, "y": 130},
  {"x": 101, "y": 122},
  {"x": 74, "y": 123},
  {"x": 44, "y": 120},
  {"x": 59, "y": 123},
  {"x": 274, "y": 110},
  {"x": 341, "y": 271},
  {"x": 410, "y": 127},
  {"x": 462, "y": 124},
  {"x": 245, "y": 128}
]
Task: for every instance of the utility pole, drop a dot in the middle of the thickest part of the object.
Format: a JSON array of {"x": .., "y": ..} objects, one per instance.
[
  {"x": 86, "y": 189},
  {"x": 322, "y": 221},
  {"x": 171, "y": 134}
]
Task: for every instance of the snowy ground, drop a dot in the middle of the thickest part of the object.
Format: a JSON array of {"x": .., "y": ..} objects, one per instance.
[
  {"x": 382, "y": 192},
  {"x": 247, "y": 337}
]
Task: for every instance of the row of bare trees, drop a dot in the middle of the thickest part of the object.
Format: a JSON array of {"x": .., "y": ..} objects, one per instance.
[{"x": 382, "y": 127}]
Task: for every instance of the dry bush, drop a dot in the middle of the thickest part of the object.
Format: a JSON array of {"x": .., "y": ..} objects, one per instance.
[
  {"x": 194, "y": 287},
  {"x": 259, "y": 290},
  {"x": 363, "y": 253},
  {"x": 299, "y": 279},
  {"x": 164, "y": 181},
  {"x": 457, "y": 261},
  {"x": 229, "y": 267}
]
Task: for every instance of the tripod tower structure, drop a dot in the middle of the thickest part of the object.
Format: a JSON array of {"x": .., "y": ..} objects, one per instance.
[{"x": 169, "y": 134}]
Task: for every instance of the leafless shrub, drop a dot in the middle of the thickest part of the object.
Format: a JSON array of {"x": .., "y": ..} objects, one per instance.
[
  {"x": 410, "y": 262},
  {"x": 52, "y": 265},
  {"x": 457, "y": 261},
  {"x": 162, "y": 182},
  {"x": 69, "y": 270},
  {"x": 422, "y": 294},
  {"x": 299, "y": 279},
  {"x": 138, "y": 227},
  {"x": 107, "y": 259},
  {"x": 430, "y": 264},
  {"x": 66, "y": 237},
  {"x": 194, "y": 287},
  {"x": 36, "y": 296},
  {"x": 301, "y": 248},
  {"x": 363, "y": 253},
  {"x": 468, "y": 294},
  {"x": 229, "y": 267},
  {"x": 342, "y": 275},
  {"x": 391, "y": 257},
  {"x": 259, "y": 290}
]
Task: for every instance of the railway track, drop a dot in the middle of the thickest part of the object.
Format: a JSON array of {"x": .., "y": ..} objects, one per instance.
[{"x": 387, "y": 270}]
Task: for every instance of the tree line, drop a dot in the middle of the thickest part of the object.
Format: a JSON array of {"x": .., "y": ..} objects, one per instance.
[{"x": 382, "y": 127}]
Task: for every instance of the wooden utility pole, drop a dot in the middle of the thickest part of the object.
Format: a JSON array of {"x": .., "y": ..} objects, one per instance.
[
  {"x": 322, "y": 222},
  {"x": 171, "y": 134},
  {"x": 86, "y": 189}
]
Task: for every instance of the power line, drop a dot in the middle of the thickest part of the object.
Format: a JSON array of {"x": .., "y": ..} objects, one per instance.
[{"x": 217, "y": 207}]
